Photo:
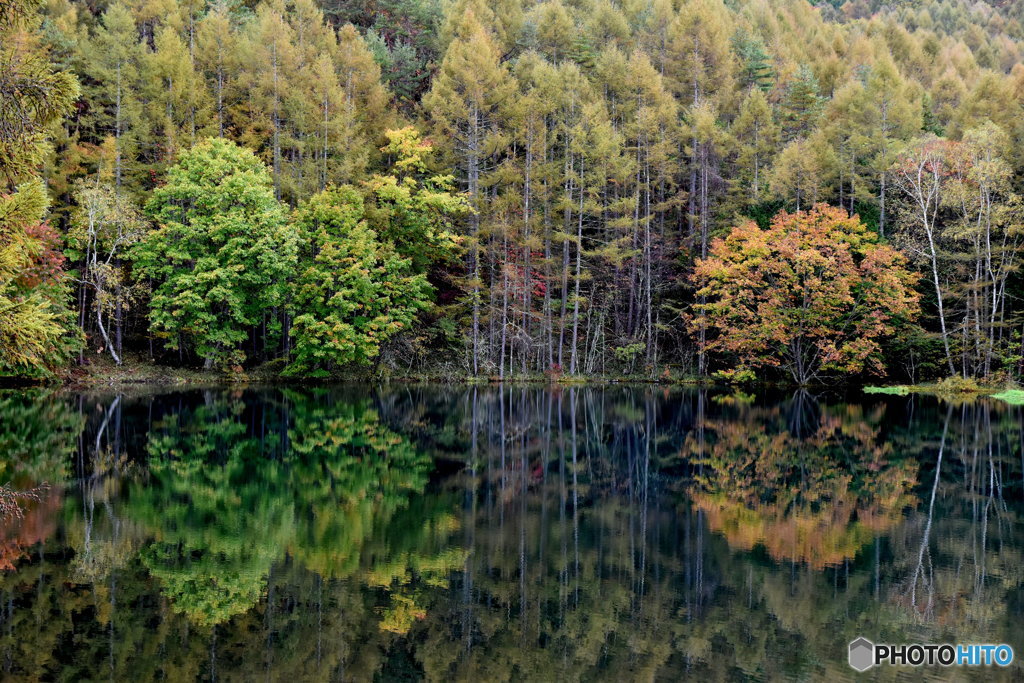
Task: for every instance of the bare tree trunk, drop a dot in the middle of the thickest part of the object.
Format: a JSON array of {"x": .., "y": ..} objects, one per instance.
[{"x": 576, "y": 294}]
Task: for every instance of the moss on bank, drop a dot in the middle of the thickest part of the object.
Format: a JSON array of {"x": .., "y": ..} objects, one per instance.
[{"x": 898, "y": 390}]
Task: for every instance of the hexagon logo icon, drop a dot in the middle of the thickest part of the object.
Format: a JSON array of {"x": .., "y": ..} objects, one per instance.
[{"x": 862, "y": 654}]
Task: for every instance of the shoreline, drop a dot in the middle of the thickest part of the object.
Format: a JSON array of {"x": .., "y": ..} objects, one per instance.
[{"x": 103, "y": 374}]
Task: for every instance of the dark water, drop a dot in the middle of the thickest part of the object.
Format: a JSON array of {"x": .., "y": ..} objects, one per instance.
[{"x": 477, "y": 534}]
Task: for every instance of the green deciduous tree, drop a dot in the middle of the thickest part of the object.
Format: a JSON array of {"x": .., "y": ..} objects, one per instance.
[
  {"x": 411, "y": 207},
  {"x": 220, "y": 256},
  {"x": 353, "y": 291}
]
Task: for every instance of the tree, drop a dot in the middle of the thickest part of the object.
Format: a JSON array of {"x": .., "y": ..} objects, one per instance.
[
  {"x": 756, "y": 136},
  {"x": 961, "y": 217},
  {"x": 803, "y": 171},
  {"x": 353, "y": 292},
  {"x": 815, "y": 292},
  {"x": 403, "y": 36},
  {"x": 892, "y": 115},
  {"x": 104, "y": 227},
  {"x": 217, "y": 57},
  {"x": 755, "y": 63},
  {"x": 919, "y": 175},
  {"x": 114, "y": 56},
  {"x": 463, "y": 102},
  {"x": 801, "y": 105},
  {"x": 34, "y": 334},
  {"x": 220, "y": 256},
  {"x": 410, "y": 207}
]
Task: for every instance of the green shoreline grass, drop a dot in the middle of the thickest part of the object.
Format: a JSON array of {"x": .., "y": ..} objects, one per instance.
[{"x": 957, "y": 389}]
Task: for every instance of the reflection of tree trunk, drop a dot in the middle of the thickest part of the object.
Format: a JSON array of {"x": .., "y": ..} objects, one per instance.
[
  {"x": 803, "y": 414},
  {"x": 563, "y": 572},
  {"x": 469, "y": 505},
  {"x": 269, "y": 622},
  {"x": 575, "y": 497},
  {"x": 878, "y": 562},
  {"x": 106, "y": 420},
  {"x": 113, "y": 614},
  {"x": 918, "y": 570},
  {"x": 319, "y": 618},
  {"x": 648, "y": 438},
  {"x": 213, "y": 655},
  {"x": 523, "y": 492}
]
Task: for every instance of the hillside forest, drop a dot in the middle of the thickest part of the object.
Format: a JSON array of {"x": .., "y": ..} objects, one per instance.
[{"x": 740, "y": 189}]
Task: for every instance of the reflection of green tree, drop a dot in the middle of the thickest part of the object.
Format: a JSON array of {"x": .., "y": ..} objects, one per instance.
[
  {"x": 224, "y": 501},
  {"x": 354, "y": 474},
  {"x": 817, "y": 498},
  {"x": 38, "y": 432}
]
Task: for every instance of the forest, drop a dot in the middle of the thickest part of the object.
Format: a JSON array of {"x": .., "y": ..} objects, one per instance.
[{"x": 517, "y": 189}]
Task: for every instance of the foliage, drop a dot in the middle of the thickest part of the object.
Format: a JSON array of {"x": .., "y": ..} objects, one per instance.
[
  {"x": 952, "y": 386},
  {"x": 602, "y": 147},
  {"x": 36, "y": 334},
  {"x": 37, "y": 331},
  {"x": 816, "y": 292},
  {"x": 570, "y": 547},
  {"x": 411, "y": 207},
  {"x": 353, "y": 292},
  {"x": 105, "y": 226},
  {"x": 38, "y": 431},
  {"x": 963, "y": 223},
  {"x": 221, "y": 254},
  {"x": 403, "y": 36},
  {"x": 223, "y": 504},
  {"x": 35, "y": 94},
  {"x": 810, "y": 488}
]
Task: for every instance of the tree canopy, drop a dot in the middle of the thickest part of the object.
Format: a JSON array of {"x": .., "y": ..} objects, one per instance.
[
  {"x": 554, "y": 171},
  {"x": 814, "y": 292},
  {"x": 220, "y": 256}
]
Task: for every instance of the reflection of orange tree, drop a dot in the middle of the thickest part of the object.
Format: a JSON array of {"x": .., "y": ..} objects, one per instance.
[
  {"x": 37, "y": 431},
  {"x": 32, "y": 520},
  {"x": 817, "y": 499}
]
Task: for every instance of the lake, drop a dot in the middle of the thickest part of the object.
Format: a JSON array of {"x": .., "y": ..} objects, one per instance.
[{"x": 525, "y": 533}]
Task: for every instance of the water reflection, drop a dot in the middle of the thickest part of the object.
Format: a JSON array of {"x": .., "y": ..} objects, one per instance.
[
  {"x": 486, "y": 534},
  {"x": 809, "y": 483}
]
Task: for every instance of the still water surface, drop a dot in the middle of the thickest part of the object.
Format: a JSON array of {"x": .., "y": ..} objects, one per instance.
[{"x": 408, "y": 533}]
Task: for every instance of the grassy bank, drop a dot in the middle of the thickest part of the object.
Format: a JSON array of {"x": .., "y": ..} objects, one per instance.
[
  {"x": 137, "y": 369},
  {"x": 955, "y": 389},
  {"x": 101, "y": 371}
]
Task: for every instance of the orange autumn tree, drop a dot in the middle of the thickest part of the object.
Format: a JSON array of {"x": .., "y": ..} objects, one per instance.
[{"x": 814, "y": 293}]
